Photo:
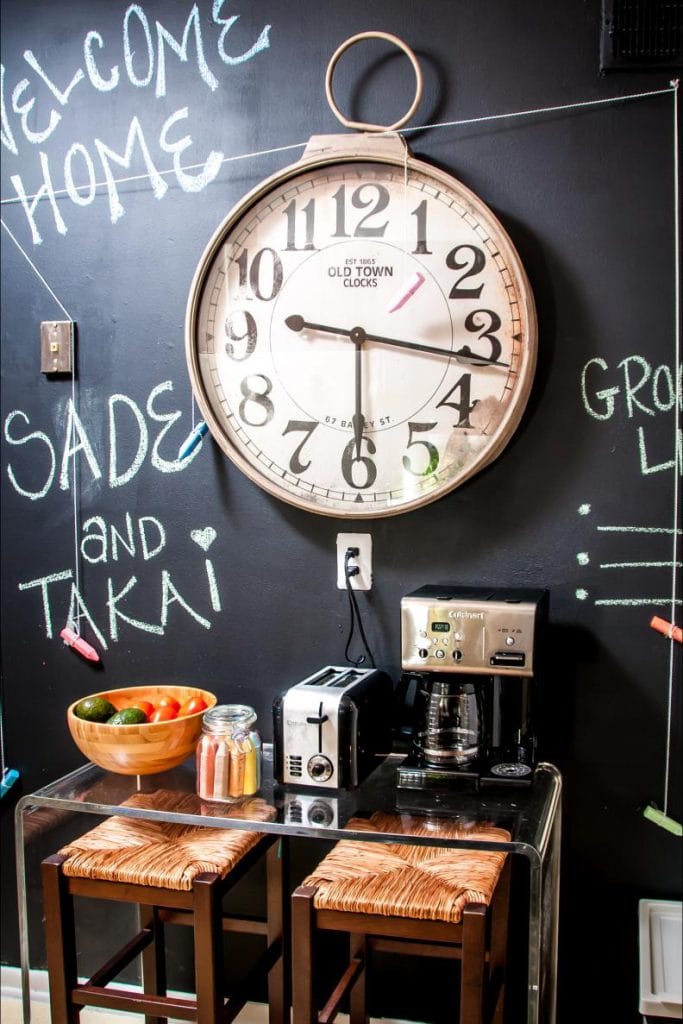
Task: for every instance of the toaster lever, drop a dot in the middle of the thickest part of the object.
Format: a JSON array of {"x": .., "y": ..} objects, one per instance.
[{"x": 317, "y": 720}]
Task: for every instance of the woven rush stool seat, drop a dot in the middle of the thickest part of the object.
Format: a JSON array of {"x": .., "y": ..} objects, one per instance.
[
  {"x": 175, "y": 874},
  {"x": 416, "y": 900}
]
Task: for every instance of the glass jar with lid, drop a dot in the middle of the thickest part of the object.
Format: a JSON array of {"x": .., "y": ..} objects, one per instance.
[{"x": 229, "y": 754}]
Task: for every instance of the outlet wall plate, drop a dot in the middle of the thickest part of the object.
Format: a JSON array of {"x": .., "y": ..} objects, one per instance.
[{"x": 362, "y": 541}]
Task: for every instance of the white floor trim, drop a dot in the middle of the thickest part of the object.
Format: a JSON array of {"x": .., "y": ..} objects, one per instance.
[
  {"x": 253, "y": 1013},
  {"x": 11, "y": 1008}
]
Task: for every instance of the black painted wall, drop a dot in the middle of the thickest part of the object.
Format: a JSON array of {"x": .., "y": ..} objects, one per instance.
[{"x": 587, "y": 196}]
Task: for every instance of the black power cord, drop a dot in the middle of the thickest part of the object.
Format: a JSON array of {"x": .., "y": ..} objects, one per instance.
[{"x": 349, "y": 572}]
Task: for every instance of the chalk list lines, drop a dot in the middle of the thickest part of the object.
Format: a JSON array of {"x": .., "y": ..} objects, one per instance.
[{"x": 645, "y": 559}]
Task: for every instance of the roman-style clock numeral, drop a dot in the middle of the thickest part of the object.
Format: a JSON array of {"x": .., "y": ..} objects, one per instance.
[
  {"x": 371, "y": 194},
  {"x": 255, "y": 401},
  {"x": 484, "y": 330},
  {"x": 290, "y": 212},
  {"x": 240, "y": 326},
  {"x": 471, "y": 261},
  {"x": 350, "y": 463},
  {"x": 267, "y": 289},
  {"x": 463, "y": 407},
  {"x": 431, "y": 449},
  {"x": 296, "y": 466},
  {"x": 420, "y": 215}
]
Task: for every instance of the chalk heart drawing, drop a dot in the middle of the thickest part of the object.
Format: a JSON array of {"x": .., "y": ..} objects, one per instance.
[{"x": 204, "y": 538}]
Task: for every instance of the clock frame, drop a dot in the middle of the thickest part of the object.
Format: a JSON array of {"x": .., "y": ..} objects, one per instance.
[{"x": 361, "y": 334}]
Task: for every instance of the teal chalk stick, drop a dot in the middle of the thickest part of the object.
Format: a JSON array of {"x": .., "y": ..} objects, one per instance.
[{"x": 9, "y": 777}]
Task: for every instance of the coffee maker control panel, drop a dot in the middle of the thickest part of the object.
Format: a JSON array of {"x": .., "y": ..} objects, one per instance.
[{"x": 477, "y": 630}]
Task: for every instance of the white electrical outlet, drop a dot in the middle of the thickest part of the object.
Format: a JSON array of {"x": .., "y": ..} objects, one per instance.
[{"x": 362, "y": 541}]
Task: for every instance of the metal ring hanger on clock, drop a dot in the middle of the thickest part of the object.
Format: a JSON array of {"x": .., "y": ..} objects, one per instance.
[{"x": 362, "y": 125}]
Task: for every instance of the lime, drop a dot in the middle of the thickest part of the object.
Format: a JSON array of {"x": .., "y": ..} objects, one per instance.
[
  {"x": 94, "y": 709},
  {"x": 128, "y": 716}
]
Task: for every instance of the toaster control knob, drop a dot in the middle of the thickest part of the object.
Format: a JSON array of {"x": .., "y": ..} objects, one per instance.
[{"x": 320, "y": 768}]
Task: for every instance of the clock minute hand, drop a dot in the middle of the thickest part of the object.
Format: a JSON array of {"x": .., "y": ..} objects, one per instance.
[{"x": 357, "y": 334}]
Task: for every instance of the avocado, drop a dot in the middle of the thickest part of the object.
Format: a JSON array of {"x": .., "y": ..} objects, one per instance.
[
  {"x": 128, "y": 716},
  {"x": 94, "y": 709}
]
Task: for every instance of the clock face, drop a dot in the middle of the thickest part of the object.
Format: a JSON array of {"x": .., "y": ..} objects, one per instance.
[{"x": 361, "y": 336}]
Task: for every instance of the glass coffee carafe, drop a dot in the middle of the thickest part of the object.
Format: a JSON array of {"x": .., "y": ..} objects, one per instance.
[{"x": 448, "y": 720}]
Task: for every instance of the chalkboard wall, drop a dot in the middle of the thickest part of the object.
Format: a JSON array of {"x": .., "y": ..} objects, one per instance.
[{"x": 119, "y": 125}]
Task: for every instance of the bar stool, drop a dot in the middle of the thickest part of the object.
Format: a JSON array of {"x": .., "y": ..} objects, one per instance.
[
  {"x": 175, "y": 874},
  {"x": 415, "y": 900}
]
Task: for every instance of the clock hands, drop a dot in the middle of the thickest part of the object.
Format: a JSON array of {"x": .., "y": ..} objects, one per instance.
[
  {"x": 358, "y": 335},
  {"x": 358, "y": 419}
]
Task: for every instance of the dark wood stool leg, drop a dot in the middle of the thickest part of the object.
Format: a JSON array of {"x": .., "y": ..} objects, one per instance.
[
  {"x": 473, "y": 953},
  {"x": 153, "y": 958},
  {"x": 500, "y": 911},
  {"x": 303, "y": 969},
  {"x": 60, "y": 940},
  {"x": 277, "y": 995},
  {"x": 359, "y": 948},
  {"x": 208, "y": 948}
]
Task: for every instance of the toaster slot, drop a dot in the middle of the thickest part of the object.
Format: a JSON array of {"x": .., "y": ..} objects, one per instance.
[{"x": 322, "y": 678}]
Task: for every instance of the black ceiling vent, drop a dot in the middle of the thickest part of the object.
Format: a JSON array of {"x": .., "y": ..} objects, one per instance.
[{"x": 641, "y": 34}]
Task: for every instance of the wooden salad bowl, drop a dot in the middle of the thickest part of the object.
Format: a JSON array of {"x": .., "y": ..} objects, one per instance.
[{"x": 144, "y": 748}]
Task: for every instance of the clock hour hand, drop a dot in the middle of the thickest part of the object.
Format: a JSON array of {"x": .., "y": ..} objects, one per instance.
[{"x": 358, "y": 336}]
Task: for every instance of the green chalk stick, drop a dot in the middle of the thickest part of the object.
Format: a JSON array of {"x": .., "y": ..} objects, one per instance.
[{"x": 663, "y": 820}]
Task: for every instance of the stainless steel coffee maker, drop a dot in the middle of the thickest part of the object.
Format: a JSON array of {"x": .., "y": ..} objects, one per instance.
[{"x": 474, "y": 657}]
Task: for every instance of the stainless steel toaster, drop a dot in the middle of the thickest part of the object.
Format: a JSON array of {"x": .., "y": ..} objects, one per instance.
[{"x": 331, "y": 729}]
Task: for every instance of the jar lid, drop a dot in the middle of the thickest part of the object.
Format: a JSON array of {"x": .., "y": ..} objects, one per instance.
[{"x": 226, "y": 716}]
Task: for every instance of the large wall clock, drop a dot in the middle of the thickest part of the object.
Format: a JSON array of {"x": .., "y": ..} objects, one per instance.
[{"x": 361, "y": 334}]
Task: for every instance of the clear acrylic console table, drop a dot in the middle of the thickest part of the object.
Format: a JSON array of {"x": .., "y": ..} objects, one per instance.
[{"x": 532, "y": 815}]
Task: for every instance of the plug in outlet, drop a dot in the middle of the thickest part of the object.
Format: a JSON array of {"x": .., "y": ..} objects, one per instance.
[{"x": 363, "y": 560}]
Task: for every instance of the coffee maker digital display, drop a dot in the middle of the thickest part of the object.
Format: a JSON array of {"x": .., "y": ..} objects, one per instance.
[{"x": 475, "y": 657}]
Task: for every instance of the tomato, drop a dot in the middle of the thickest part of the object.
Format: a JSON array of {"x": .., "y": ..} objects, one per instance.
[
  {"x": 166, "y": 701},
  {"x": 144, "y": 705},
  {"x": 165, "y": 714},
  {"x": 192, "y": 706}
]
